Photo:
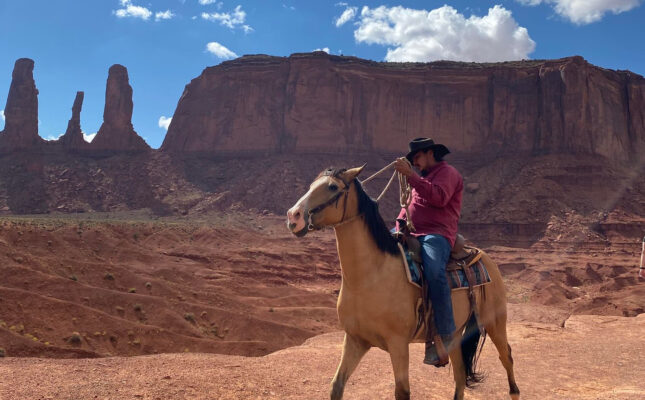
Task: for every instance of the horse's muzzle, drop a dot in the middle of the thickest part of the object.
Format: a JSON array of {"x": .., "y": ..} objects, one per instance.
[{"x": 297, "y": 220}]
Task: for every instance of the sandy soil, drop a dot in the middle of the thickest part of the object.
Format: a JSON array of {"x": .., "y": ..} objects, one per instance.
[
  {"x": 583, "y": 360},
  {"x": 87, "y": 306}
]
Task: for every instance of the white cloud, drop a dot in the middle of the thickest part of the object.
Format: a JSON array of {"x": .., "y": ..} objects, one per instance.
[
  {"x": 159, "y": 15},
  {"x": 164, "y": 122},
  {"x": 586, "y": 11},
  {"x": 2, "y": 114},
  {"x": 231, "y": 19},
  {"x": 444, "y": 34},
  {"x": 52, "y": 137},
  {"x": 132, "y": 11},
  {"x": 530, "y": 2},
  {"x": 347, "y": 15},
  {"x": 325, "y": 49},
  {"x": 90, "y": 137},
  {"x": 220, "y": 51},
  {"x": 206, "y": 2}
]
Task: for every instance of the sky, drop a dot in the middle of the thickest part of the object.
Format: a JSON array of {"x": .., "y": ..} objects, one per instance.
[{"x": 166, "y": 43}]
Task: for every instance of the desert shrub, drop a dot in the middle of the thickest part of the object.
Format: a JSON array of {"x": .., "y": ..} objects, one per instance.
[
  {"x": 190, "y": 317},
  {"x": 120, "y": 309},
  {"x": 148, "y": 285},
  {"x": 74, "y": 278},
  {"x": 138, "y": 307},
  {"x": 108, "y": 276},
  {"x": 75, "y": 338},
  {"x": 132, "y": 290},
  {"x": 2, "y": 352}
]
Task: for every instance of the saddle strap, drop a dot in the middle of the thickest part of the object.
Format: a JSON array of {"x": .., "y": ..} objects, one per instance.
[{"x": 472, "y": 281}]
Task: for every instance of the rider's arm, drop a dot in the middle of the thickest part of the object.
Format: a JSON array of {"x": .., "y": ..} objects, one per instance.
[{"x": 438, "y": 192}]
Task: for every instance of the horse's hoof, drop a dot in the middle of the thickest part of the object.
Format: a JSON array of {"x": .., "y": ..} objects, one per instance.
[{"x": 515, "y": 396}]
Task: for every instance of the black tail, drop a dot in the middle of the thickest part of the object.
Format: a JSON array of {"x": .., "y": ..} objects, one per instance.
[{"x": 472, "y": 341}]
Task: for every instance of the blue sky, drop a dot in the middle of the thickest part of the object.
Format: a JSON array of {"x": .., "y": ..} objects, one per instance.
[{"x": 166, "y": 43}]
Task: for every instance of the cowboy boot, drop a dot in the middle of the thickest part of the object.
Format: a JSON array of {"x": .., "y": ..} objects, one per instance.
[{"x": 437, "y": 353}]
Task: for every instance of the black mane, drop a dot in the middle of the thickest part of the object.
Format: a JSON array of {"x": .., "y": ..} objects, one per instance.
[{"x": 375, "y": 224}]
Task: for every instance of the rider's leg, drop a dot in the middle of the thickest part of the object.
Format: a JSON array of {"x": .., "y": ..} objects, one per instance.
[{"x": 435, "y": 253}]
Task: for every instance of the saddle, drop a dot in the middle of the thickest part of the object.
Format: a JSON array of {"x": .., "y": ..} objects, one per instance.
[{"x": 460, "y": 255}]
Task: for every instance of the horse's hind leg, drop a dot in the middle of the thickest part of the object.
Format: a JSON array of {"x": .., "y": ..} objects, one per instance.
[
  {"x": 400, "y": 355},
  {"x": 497, "y": 333},
  {"x": 353, "y": 350},
  {"x": 458, "y": 369}
]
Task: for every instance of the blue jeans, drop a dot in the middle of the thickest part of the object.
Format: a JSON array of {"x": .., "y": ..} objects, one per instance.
[{"x": 436, "y": 253}]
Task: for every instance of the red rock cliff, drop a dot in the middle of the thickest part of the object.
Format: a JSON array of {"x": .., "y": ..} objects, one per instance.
[
  {"x": 318, "y": 102},
  {"x": 116, "y": 132},
  {"x": 73, "y": 137},
  {"x": 21, "y": 112}
]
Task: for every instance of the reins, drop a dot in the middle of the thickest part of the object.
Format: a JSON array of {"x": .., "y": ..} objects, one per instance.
[
  {"x": 405, "y": 198},
  {"x": 405, "y": 192}
]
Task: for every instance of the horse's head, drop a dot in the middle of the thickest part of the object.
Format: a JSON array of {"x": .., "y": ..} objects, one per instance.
[{"x": 329, "y": 201}]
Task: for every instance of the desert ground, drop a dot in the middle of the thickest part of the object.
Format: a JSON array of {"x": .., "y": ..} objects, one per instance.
[{"x": 232, "y": 306}]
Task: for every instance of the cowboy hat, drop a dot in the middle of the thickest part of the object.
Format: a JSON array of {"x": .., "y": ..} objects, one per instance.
[{"x": 422, "y": 143}]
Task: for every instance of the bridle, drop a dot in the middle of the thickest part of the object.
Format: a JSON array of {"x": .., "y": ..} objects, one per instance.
[{"x": 334, "y": 199}]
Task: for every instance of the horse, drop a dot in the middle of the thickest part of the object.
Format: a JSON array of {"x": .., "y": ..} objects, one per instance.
[{"x": 377, "y": 305}]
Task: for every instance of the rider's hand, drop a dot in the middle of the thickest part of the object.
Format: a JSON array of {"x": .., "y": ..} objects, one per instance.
[{"x": 403, "y": 166}]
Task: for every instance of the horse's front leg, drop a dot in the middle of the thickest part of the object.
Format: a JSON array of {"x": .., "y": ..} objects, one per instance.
[
  {"x": 353, "y": 350},
  {"x": 400, "y": 356}
]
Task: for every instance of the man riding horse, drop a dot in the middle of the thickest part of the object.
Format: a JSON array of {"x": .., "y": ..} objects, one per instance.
[
  {"x": 378, "y": 305},
  {"x": 434, "y": 213}
]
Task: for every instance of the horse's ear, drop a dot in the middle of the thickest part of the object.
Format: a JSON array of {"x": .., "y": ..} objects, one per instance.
[{"x": 352, "y": 173}]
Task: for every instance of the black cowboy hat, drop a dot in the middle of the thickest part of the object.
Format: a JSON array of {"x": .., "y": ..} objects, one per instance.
[{"x": 423, "y": 143}]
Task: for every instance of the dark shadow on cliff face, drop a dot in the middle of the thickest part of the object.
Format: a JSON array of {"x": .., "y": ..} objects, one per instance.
[
  {"x": 22, "y": 184},
  {"x": 42, "y": 183},
  {"x": 514, "y": 201}
]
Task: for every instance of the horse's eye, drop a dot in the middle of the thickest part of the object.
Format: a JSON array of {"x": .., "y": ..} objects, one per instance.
[{"x": 333, "y": 187}]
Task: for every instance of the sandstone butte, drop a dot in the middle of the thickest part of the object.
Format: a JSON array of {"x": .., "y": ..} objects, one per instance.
[
  {"x": 317, "y": 102},
  {"x": 21, "y": 112},
  {"x": 320, "y": 103}
]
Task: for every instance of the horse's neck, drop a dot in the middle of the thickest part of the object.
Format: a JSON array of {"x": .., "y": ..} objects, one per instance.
[{"x": 358, "y": 253}]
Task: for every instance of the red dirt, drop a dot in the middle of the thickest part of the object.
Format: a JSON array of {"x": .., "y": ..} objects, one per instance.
[
  {"x": 241, "y": 285},
  {"x": 235, "y": 285},
  {"x": 198, "y": 288},
  {"x": 574, "y": 362}
]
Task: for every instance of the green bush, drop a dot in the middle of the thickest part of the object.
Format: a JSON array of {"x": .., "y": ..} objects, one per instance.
[{"x": 75, "y": 338}]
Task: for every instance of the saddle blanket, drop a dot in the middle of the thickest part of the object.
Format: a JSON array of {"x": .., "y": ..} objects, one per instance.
[{"x": 456, "y": 277}]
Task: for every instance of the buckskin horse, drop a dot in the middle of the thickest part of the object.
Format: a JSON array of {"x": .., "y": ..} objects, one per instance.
[{"x": 377, "y": 306}]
